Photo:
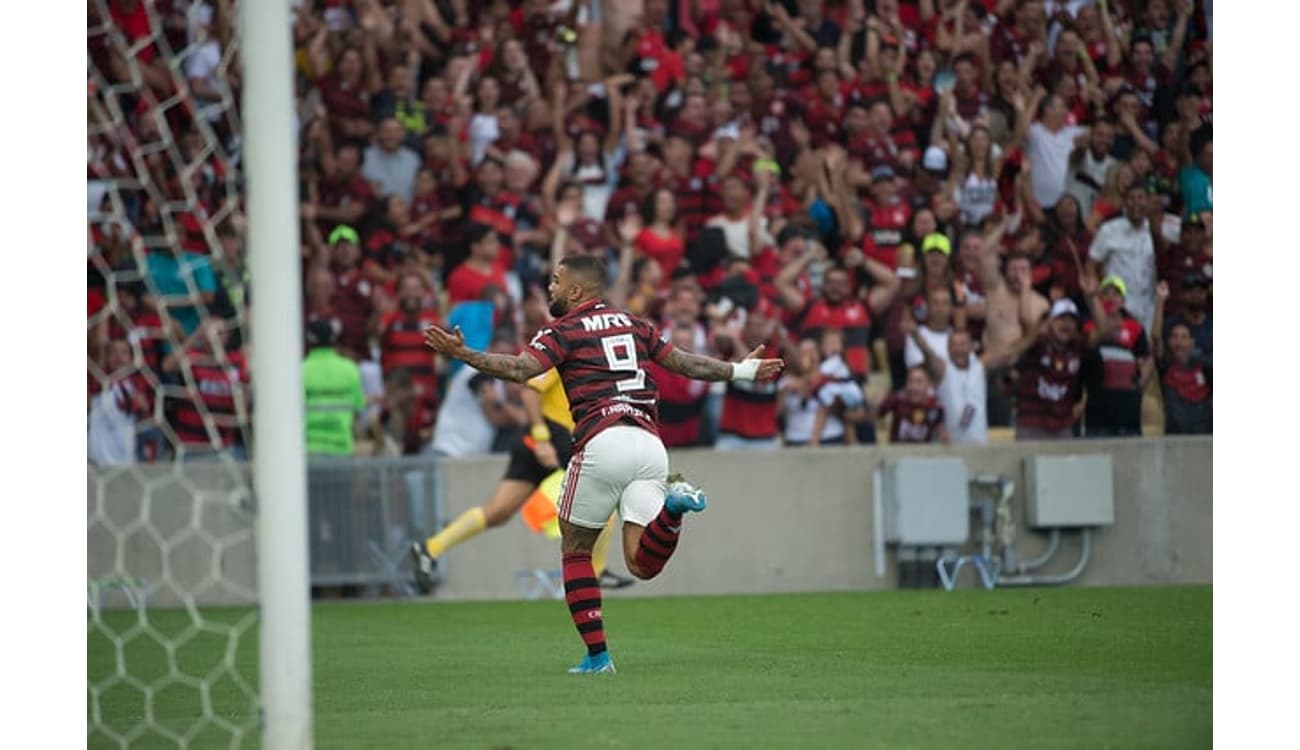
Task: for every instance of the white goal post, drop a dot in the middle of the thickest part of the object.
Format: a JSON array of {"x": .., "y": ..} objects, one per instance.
[{"x": 279, "y": 467}]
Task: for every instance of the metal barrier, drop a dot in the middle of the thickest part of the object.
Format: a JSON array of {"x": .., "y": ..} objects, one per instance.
[
  {"x": 363, "y": 514},
  {"x": 183, "y": 532}
]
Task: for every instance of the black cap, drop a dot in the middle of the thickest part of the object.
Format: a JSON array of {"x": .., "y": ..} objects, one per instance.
[
  {"x": 1196, "y": 279},
  {"x": 320, "y": 333}
]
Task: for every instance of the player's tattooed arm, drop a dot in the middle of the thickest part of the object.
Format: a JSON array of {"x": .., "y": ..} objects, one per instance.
[
  {"x": 516, "y": 367},
  {"x": 697, "y": 366}
]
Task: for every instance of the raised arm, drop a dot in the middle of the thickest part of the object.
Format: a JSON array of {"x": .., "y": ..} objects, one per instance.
[
  {"x": 990, "y": 276},
  {"x": 1158, "y": 322},
  {"x": 1175, "y": 48},
  {"x": 933, "y": 362},
  {"x": 789, "y": 294},
  {"x": 993, "y": 360},
  {"x": 516, "y": 367},
  {"x": 886, "y": 287}
]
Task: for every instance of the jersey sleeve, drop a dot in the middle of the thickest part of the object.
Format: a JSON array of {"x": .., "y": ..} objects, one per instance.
[
  {"x": 657, "y": 344},
  {"x": 548, "y": 347}
]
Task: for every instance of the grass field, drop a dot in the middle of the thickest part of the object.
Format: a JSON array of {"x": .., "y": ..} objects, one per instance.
[{"x": 1045, "y": 668}]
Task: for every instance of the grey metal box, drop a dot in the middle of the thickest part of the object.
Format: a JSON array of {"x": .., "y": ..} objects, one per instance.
[
  {"x": 1069, "y": 491},
  {"x": 926, "y": 501}
]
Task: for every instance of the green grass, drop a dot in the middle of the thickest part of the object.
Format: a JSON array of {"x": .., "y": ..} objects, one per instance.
[{"x": 1046, "y": 668}]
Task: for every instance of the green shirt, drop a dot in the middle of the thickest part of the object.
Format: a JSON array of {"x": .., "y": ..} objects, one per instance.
[{"x": 334, "y": 397}]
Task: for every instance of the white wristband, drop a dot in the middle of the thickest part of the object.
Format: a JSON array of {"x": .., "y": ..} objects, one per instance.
[{"x": 745, "y": 370}]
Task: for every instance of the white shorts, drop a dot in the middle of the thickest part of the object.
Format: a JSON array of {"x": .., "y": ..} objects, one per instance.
[{"x": 623, "y": 468}]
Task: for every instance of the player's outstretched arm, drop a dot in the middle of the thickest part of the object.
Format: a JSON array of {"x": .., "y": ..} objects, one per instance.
[
  {"x": 700, "y": 367},
  {"x": 516, "y": 367}
]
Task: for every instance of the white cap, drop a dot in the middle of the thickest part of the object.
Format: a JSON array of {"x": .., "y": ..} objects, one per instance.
[
  {"x": 935, "y": 160},
  {"x": 1063, "y": 306}
]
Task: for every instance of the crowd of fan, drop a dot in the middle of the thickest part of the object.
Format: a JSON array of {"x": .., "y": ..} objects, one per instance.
[{"x": 987, "y": 212}]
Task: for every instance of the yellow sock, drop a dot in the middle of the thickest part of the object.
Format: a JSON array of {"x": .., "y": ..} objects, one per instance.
[
  {"x": 600, "y": 552},
  {"x": 466, "y": 526}
]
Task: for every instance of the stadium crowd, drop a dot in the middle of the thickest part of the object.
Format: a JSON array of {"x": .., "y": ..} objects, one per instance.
[{"x": 952, "y": 218}]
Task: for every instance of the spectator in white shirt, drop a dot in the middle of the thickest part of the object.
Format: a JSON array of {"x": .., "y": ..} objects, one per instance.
[
  {"x": 960, "y": 379},
  {"x": 390, "y": 165},
  {"x": 1124, "y": 247},
  {"x": 111, "y": 434},
  {"x": 1049, "y": 144},
  {"x": 936, "y": 329},
  {"x": 474, "y": 408},
  {"x": 1090, "y": 165}
]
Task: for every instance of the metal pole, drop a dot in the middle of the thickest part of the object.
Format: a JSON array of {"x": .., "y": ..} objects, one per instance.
[{"x": 279, "y": 470}]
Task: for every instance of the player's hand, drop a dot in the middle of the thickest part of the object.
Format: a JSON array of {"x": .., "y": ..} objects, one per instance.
[
  {"x": 544, "y": 451},
  {"x": 768, "y": 369},
  {"x": 442, "y": 341}
]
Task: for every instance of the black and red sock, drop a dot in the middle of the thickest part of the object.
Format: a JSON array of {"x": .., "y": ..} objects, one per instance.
[
  {"x": 582, "y": 592},
  {"x": 658, "y": 542}
]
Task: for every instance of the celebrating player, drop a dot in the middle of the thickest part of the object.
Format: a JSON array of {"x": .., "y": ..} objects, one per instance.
[
  {"x": 619, "y": 462},
  {"x": 543, "y": 450}
]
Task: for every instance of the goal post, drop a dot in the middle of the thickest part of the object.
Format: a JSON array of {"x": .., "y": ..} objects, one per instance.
[{"x": 279, "y": 466}]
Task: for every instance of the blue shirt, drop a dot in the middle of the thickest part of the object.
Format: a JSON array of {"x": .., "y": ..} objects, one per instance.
[
  {"x": 170, "y": 276},
  {"x": 475, "y": 320},
  {"x": 1194, "y": 184}
]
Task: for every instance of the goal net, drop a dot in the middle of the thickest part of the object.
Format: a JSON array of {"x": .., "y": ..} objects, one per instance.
[{"x": 172, "y": 644}]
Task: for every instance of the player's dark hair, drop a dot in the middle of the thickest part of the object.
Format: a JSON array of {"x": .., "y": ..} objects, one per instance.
[{"x": 590, "y": 270}]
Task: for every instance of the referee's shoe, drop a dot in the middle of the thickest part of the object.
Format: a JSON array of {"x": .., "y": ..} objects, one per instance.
[{"x": 426, "y": 568}]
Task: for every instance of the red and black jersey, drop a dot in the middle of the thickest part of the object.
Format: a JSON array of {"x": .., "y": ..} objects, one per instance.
[
  {"x": 385, "y": 249},
  {"x": 859, "y": 90},
  {"x": 499, "y": 212},
  {"x": 600, "y": 354},
  {"x": 749, "y": 409},
  {"x": 913, "y": 421},
  {"x": 626, "y": 200},
  {"x": 1188, "y": 391},
  {"x": 970, "y": 105},
  {"x": 851, "y": 317},
  {"x": 342, "y": 194},
  {"x": 693, "y": 201},
  {"x": 874, "y": 150},
  {"x": 681, "y": 404},
  {"x": 353, "y": 304},
  {"x": 1111, "y": 376},
  {"x": 1050, "y": 385},
  {"x": 401, "y": 344},
  {"x": 885, "y": 229},
  {"x": 212, "y": 394}
]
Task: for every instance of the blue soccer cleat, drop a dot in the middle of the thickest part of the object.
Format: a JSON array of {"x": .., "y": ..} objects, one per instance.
[
  {"x": 683, "y": 497},
  {"x": 594, "y": 664}
]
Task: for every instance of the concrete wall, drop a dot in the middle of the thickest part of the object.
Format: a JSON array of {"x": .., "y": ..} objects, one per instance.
[
  {"x": 792, "y": 520},
  {"x": 801, "y": 520}
]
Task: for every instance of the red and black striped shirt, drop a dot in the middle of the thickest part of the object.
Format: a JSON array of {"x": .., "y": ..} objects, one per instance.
[
  {"x": 401, "y": 344},
  {"x": 1051, "y": 383},
  {"x": 600, "y": 354},
  {"x": 212, "y": 395}
]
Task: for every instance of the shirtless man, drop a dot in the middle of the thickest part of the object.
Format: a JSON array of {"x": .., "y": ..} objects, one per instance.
[{"x": 1009, "y": 300}]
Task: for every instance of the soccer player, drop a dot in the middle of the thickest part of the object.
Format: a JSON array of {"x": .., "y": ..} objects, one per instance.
[
  {"x": 545, "y": 448},
  {"x": 619, "y": 462}
]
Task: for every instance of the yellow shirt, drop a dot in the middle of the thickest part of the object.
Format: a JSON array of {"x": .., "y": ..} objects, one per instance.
[{"x": 555, "y": 403}]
